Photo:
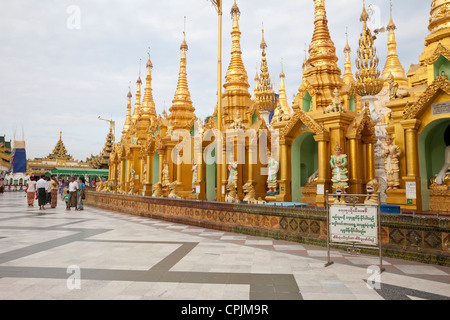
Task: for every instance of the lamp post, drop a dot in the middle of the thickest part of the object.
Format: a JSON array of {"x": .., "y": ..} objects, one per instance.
[{"x": 218, "y": 5}]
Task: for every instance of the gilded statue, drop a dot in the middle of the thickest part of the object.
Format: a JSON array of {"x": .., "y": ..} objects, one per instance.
[
  {"x": 174, "y": 191},
  {"x": 231, "y": 196},
  {"x": 372, "y": 189},
  {"x": 391, "y": 154},
  {"x": 165, "y": 175},
  {"x": 273, "y": 167},
  {"x": 336, "y": 103},
  {"x": 238, "y": 122},
  {"x": 233, "y": 168},
  {"x": 170, "y": 128},
  {"x": 394, "y": 91},
  {"x": 132, "y": 172},
  {"x": 443, "y": 174},
  {"x": 339, "y": 169},
  {"x": 194, "y": 175},
  {"x": 157, "y": 190},
  {"x": 250, "y": 193}
]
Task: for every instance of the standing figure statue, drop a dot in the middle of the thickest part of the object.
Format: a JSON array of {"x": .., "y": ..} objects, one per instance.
[
  {"x": 391, "y": 154},
  {"x": 233, "y": 168},
  {"x": 165, "y": 175},
  {"x": 132, "y": 172},
  {"x": 339, "y": 169},
  {"x": 194, "y": 175},
  {"x": 273, "y": 166}
]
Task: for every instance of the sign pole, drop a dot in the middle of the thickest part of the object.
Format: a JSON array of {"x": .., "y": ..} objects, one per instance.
[
  {"x": 329, "y": 263},
  {"x": 379, "y": 232}
]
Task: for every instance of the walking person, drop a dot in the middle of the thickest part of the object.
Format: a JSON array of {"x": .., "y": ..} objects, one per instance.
[
  {"x": 73, "y": 190},
  {"x": 42, "y": 195},
  {"x": 66, "y": 199},
  {"x": 81, "y": 193},
  {"x": 48, "y": 190},
  {"x": 54, "y": 185},
  {"x": 31, "y": 191},
  {"x": 2, "y": 185}
]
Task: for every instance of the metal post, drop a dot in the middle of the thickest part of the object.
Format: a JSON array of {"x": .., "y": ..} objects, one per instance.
[
  {"x": 329, "y": 263},
  {"x": 379, "y": 233}
]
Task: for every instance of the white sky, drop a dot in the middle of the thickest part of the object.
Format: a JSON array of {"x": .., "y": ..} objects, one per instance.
[{"x": 54, "y": 78}]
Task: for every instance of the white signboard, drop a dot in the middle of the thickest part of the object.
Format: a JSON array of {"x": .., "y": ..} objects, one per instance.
[
  {"x": 354, "y": 224},
  {"x": 441, "y": 108},
  {"x": 320, "y": 189},
  {"x": 411, "y": 190}
]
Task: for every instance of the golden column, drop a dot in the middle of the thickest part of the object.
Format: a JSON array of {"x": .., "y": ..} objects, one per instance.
[
  {"x": 218, "y": 6},
  {"x": 149, "y": 175},
  {"x": 324, "y": 165},
  {"x": 412, "y": 158},
  {"x": 354, "y": 152},
  {"x": 411, "y": 146}
]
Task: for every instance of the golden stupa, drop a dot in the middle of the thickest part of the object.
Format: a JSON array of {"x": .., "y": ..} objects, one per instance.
[{"x": 177, "y": 155}]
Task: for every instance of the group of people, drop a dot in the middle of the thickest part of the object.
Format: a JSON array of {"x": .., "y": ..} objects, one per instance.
[{"x": 45, "y": 190}]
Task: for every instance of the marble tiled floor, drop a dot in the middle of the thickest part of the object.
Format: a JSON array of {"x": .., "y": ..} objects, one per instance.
[{"x": 97, "y": 254}]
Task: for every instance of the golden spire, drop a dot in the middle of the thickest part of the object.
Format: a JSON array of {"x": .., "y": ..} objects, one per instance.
[
  {"x": 137, "y": 105},
  {"x": 393, "y": 64},
  {"x": 256, "y": 81},
  {"x": 321, "y": 50},
  {"x": 321, "y": 70},
  {"x": 236, "y": 77},
  {"x": 265, "y": 96},
  {"x": 368, "y": 80},
  {"x": 147, "y": 112},
  {"x": 439, "y": 15},
  {"x": 182, "y": 111},
  {"x": 148, "y": 105},
  {"x": 305, "y": 61},
  {"x": 283, "y": 98},
  {"x": 348, "y": 74},
  {"x": 127, "y": 124}
]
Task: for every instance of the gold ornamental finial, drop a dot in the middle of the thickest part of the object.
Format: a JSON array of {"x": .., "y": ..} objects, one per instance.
[
  {"x": 235, "y": 10},
  {"x": 368, "y": 77},
  {"x": 265, "y": 96}
]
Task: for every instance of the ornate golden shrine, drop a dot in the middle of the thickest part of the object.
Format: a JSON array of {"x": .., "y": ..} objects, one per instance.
[{"x": 329, "y": 109}]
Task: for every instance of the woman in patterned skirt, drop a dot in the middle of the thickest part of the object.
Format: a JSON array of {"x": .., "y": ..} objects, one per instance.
[{"x": 54, "y": 185}]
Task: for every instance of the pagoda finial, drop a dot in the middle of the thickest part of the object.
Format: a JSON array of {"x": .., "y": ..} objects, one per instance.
[
  {"x": 283, "y": 98},
  {"x": 393, "y": 65},
  {"x": 182, "y": 110},
  {"x": 348, "y": 74},
  {"x": 236, "y": 77},
  {"x": 127, "y": 124},
  {"x": 322, "y": 49},
  {"x": 368, "y": 77},
  {"x": 265, "y": 95}
]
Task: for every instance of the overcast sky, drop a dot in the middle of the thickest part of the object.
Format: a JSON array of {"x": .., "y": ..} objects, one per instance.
[{"x": 60, "y": 73}]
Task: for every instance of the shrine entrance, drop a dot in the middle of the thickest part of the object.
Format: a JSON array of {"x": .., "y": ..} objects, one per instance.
[
  {"x": 432, "y": 147},
  {"x": 305, "y": 163},
  {"x": 211, "y": 172}
]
